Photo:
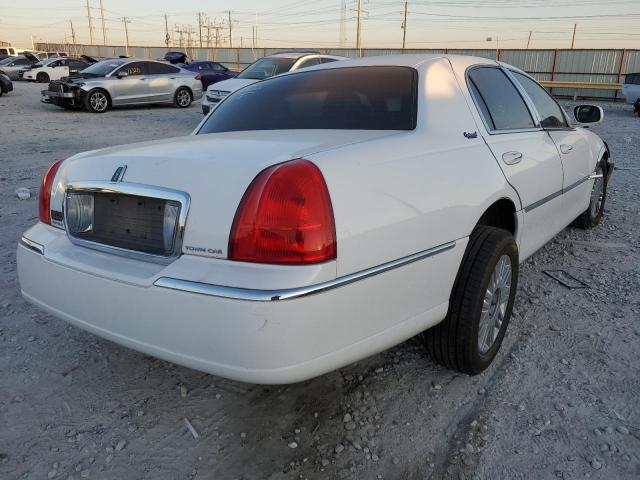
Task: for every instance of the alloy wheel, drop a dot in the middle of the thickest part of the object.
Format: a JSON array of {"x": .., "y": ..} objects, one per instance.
[{"x": 494, "y": 306}]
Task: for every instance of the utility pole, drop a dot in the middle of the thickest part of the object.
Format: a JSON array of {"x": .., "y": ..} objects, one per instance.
[
  {"x": 404, "y": 26},
  {"x": 529, "y": 40},
  {"x": 104, "y": 31},
  {"x": 166, "y": 31},
  {"x": 200, "y": 27},
  {"x": 90, "y": 22},
  {"x": 73, "y": 36},
  {"x": 358, "y": 27},
  {"x": 573, "y": 38},
  {"x": 230, "y": 29},
  {"x": 126, "y": 33}
]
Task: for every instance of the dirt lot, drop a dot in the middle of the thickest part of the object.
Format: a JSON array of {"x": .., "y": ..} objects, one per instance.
[{"x": 562, "y": 400}]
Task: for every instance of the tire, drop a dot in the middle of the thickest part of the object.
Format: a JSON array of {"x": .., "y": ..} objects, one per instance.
[
  {"x": 42, "y": 77},
  {"x": 469, "y": 337},
  {"x": 182, "y": 97},
  {"x": 594, "y": 213},
  {"x": 96, "y": 101}
]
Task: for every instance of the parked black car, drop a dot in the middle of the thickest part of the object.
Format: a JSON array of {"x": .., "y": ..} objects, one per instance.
[
  {"x": 5, "y": 84},
  {"x": 210, "y": 72}
]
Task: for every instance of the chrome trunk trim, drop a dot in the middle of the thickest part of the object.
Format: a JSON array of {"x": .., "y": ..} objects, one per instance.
[{"x": 140, "y": 190}]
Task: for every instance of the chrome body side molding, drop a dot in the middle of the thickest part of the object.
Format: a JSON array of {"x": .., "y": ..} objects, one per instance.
[
  {"x": 31, "y": 245},
  {"x": 252, "y": 295}
]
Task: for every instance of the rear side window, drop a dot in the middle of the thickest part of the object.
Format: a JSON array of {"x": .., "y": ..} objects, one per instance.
[
  {"x": 135, "y": 68},
  {"x": 161, "y": 68},
  {"x": 328, "y": 60},
  {"x": 364, "y": 98},
  {"x": 632, "y": 79},
  {"x": 498, "y": 100},
  {"x": 310, "y": 62},
  {"x": 550, "y": 112}
]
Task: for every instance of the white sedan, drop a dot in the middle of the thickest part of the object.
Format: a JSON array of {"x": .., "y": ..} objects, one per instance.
[
  {"x": 54, "y": 69},
  {"x": 319, "y": 217}
]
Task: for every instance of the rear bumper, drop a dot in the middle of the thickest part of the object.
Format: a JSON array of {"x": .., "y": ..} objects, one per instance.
[{"x": 269, "y": 342}]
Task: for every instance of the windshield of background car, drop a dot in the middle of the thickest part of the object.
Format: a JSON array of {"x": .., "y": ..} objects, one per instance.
[
  {"x": 267, "y": 67},
  {"x": 355, "y": 98},
  {"x": 100, "y": 69},
  {"x": 7, "y": 60}
]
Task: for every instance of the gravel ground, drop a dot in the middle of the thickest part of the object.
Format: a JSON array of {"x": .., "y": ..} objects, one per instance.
[{"x": 562, "y": 399}]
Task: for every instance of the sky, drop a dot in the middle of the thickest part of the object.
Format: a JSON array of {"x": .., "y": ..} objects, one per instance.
[{"x": 317, "y": 23}]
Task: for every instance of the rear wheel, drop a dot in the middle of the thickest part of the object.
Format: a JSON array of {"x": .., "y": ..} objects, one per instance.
[
  {"x": 96, "y": 101},
  {"x": 480, "y": 306},
  {"x": 593, "y": 214},
  {"x": 42, "y": 77},
  {"x": 182, "y": 98}
]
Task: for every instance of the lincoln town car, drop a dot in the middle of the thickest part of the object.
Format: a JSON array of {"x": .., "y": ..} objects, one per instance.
[{"x": 319, "y": 217}]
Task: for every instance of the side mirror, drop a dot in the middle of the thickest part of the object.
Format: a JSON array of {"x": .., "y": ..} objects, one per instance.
[
  {"x": 122, "y": 74},
  {"x": 588, "y": 114}
]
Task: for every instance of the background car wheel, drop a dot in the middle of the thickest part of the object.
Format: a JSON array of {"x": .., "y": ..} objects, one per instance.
[
  {"x": 96, "y": 101},
  {"x": 42, "y": 77},
  {"x": 480, "y": 306},
  {"x": 182, "y": 98},
  {"x": 593, "y": 214}
]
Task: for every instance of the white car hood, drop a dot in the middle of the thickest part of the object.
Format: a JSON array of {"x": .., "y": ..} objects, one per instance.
[{"x": 232, "y": 84}]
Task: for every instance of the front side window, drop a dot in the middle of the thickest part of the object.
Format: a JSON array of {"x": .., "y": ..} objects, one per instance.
[
  {"x": 498, "y": 100},
  {"x": 134, "y": 68},
  {"x": 551, "y": 115},
  {"x": 267, "y": 67},
  {"x": 355, "y": 98}
]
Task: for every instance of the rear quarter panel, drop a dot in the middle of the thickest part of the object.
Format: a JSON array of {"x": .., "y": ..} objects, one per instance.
[{"x": 415, "y": 190}]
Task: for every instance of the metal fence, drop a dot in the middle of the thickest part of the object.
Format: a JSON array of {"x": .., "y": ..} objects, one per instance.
[{"x": 584, "y": 65}]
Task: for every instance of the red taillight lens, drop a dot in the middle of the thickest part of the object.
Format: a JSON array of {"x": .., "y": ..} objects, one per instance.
[
  {"x": 44, "y": 197},
  {"x": 286, "y": 217},
  {"x": 198, "y": 76}
]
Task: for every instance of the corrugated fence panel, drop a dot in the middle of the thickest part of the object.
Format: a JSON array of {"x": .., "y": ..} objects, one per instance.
[
  {"x": 568, "y": 65},
  {"x": 532, "y": 61}
]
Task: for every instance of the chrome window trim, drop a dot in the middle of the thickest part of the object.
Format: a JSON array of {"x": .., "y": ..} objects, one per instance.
[
  {"x": 252, "y": 295},
  {"x": 140, "y": 190},
  {"x": 534, "y": 113},
  {"x": 532, "y": 104}
]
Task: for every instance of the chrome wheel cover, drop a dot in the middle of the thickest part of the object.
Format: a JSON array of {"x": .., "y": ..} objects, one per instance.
[
  {"x": 494, "y": 306},
  {"x": 597, "y": 194},
  {"x": 98, "y": 101},
  {"x": 184, "y": 98}
]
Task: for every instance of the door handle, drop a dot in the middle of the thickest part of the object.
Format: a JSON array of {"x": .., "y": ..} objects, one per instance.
[
  {"x": 511, "y": 158},
  {"x": 564, "y": 148}
]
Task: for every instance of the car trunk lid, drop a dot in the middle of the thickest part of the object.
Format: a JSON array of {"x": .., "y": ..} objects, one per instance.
[{"x": 214, "y": 170}]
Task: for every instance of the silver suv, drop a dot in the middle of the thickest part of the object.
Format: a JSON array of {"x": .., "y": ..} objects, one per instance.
[{"x": 265, "y": 67}]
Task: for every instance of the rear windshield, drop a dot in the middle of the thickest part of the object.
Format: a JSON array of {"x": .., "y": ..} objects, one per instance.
[
  {"x": 267, "y": 67},
  {"x": 354, "y": 98}
]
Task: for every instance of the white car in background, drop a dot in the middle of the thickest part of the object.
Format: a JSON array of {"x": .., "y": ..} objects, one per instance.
[
  {"x": 53, "y": 69},
  {"x": 631, "y": 90},
  {"x": 265, "y": 67},
  {"x": 318, "y": 217}
]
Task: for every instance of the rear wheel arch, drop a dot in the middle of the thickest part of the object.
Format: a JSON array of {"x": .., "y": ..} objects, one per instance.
[{"x": 501, "y": 214}]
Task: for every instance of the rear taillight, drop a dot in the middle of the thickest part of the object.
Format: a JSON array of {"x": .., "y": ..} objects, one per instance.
[
  {"x": 44, "y": 197},
  {"x": 198, "y": 76},
  {"x": 285, "y": 217}
]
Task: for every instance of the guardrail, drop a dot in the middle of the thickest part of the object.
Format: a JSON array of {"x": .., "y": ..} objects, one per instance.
[
  {"x": 587, "y": 85},
  {"x": 581, "y": 86}
]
